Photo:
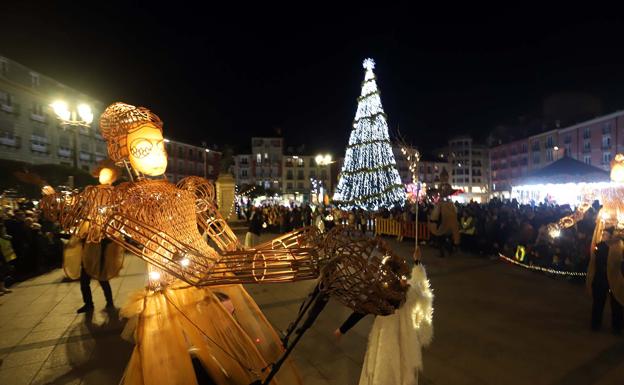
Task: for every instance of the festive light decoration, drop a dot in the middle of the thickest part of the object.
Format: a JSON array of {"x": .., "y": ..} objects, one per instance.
[
  {"x": 562, "y": 193},
  {"x": 543, "y": 269},
  {"x": 369, "y": 178}
]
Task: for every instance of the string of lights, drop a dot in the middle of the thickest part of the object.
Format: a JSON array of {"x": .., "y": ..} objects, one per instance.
[
  {"x": 543, "y": 269},
  {"x": 227, "y": 218}
]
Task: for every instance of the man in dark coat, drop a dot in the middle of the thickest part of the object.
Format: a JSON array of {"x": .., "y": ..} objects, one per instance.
[{"x": 600, "y": 288}]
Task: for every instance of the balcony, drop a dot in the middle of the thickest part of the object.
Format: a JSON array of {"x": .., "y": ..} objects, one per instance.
[
  {"x": 7, "y": 108},
  {"x": 37, "y": 117},
  {"x": 84, "y": 130},
  {"x": 87, "y": 157},
  {"x": 10, "y": 140},
  {"x": 64, "y": 152},
  {"x": 586, "y": 150},
  {"x": 606, "y": 146},
  {"x": 41, "y": 148}
]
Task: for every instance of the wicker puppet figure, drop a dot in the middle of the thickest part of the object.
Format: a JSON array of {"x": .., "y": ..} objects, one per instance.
[{"x": 158, "y": 221}]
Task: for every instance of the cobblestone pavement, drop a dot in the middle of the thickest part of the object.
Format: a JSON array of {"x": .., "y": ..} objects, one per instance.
[{"x": 494, "y": 324}]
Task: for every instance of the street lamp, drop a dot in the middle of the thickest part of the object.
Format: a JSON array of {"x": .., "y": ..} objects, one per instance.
[
  {"x": 324, "y": 160},
  {"x": 556, "y": 149},
  {"x": 81, "y": 116}
]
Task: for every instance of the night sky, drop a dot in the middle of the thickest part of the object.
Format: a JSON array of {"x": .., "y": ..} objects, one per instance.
[{"x": 215, "y": 75}]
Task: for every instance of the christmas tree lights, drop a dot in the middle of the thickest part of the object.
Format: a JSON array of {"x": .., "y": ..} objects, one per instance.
[{"x": 369, "y": 178}]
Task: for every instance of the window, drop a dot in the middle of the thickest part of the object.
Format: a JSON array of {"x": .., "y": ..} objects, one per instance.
[
  {"x": 37, "y": 112},
  {"x": 243, "y": 173},
  {"x": 244, "y": 161},
  {"x": 289, "y": 186},
  {"x": 300, "y": 174},
  {"x": 180, "y": 152},
  {"x": 586, "y": 145},
  {"x": 606, "y": 157},
  {"x": 313, "y": 174},
  {"x": 567, "y": 150},
  {"x": 549, "y": 141},
  {"x": 34, "y": 80},
  {"x": 549, "y": 155},
  {"x": 535, "y": 146},
  {"x": 567, "y": 139},
  {"x": 84, "y": 146},
  {"x": 5, "y": 99},
  {"x": 300, "y": 185},
  {"x": 289, "y": 174},
  {"x": 257, "y": 142},
  {"x": 37, "y": 108},
  {"x": 586, "y": 133},
  {"x": 524, "y": 147},
  {"x": 536, "y": 158},
  {"x": 4, "y": 66},
  {"x": 606, "y": 128},
  {"x": 266, "y": 155},
  {"x": 180, "y": 167},
  {"x": 258, "y": 158},
  {"x": 64, "y": 140},
  {"x": 323, "y": 174},
  {"x": 587, "y": 159},
  {"x": 606, "y": 141}
]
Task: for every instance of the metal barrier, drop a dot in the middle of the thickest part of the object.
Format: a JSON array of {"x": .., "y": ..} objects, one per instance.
[{"x": 401, "y": 229}]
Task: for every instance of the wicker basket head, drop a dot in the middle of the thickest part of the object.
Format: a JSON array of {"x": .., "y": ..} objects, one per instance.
[{"x": 118, "y": 120}]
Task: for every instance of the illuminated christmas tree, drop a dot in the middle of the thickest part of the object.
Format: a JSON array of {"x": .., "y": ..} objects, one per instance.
[{"x": 369, "y": 178}]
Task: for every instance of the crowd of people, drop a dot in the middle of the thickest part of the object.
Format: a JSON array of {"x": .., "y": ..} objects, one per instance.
[
  {"x": 521, "y": 231},
  {"x": 507, "y": 227},
  {"x": 29, "y": 243}
]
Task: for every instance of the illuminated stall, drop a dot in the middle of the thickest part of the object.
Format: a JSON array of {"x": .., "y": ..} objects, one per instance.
[{"x": 565, "y": 181}]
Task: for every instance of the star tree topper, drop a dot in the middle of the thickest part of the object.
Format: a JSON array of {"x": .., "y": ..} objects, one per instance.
[{"x": 369, "y": 64}]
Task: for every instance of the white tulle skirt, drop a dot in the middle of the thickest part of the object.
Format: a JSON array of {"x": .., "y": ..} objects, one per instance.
[{"x": 393, "y": 356}]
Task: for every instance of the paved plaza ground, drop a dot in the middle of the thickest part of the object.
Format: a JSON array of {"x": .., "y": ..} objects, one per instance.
[{"x": 494, "y": 324}]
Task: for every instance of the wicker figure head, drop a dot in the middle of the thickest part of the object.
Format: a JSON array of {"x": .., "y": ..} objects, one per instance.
[
  {"x": 134, "y": 134},
  {"x": 363, "y": 273}
]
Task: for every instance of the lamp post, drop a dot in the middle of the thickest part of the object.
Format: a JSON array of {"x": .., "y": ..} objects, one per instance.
[
  {"x": 413, "y": 157},
  {"x": 81, "y": 116},
  {"x": 324, "y": 160},
  {"x": 206, "y": 151}
]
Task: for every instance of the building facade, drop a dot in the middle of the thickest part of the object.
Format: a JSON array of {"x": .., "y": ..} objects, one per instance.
[
  {"x": 429, "y": 171},
  {"x": 263, "y": 167},
  {"x": 29, "y": 129},
  {"x": 469, "y": 168},
  {"x": 594, "y": 142},
  {"x": 508, "y": 162},
  {"x": 302, "y": 177},
  {"x": 187, "y": 160}
]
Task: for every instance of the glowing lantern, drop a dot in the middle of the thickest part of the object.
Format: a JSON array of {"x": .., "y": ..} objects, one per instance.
[
  {"x": 107, "y": 176},
  {"x": 146, "y": 149},
  {"x": 617, "y": 168}
]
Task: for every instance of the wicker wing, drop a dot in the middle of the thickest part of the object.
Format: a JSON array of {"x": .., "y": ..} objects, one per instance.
[
  {"x": 208, "y": 217},
  {"x": 363, "y": 273}
]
